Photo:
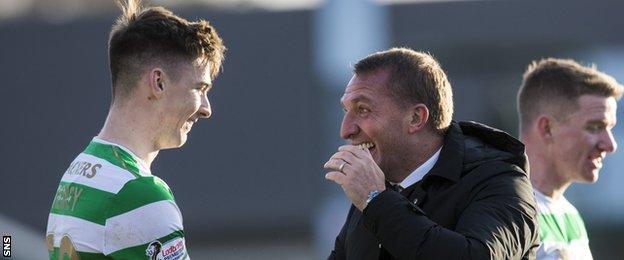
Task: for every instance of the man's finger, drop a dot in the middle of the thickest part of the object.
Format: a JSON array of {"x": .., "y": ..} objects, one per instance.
[
  {"x": 336, "y": 177},
  {"x": 355, "y": 150},
  {"x": 334, "y": 164},
  {"x": 345, "y": 156},
  {"x": 339, "y": 165}
]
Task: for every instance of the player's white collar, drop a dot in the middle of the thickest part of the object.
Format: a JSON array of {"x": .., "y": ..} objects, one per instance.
[{"x": 420, "y": 172}]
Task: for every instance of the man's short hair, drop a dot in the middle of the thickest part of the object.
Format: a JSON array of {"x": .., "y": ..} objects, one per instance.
[
  {"x": 554, "y": 85},
  {"x": 155, "y": 36},
  {"x": 415, "y": 77}
]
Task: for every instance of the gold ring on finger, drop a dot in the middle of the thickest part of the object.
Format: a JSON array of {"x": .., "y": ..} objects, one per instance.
[{"x": 342, "y": 167}]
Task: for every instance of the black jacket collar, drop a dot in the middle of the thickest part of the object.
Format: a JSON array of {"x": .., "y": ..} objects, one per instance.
[
  {"x": 486, "y": 142},
  {"x": 451, "y": 160}
]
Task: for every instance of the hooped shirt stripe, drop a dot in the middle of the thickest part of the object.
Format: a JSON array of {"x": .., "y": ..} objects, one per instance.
[
  {"x": 108, "y": 204},
  {"x": 562, "y": 230}
]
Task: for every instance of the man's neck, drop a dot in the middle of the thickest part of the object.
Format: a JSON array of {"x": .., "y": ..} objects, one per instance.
[
  {"x": 549, "y": 188},
  {"x": 544, "y": 175},
  {"x": 125, "y": 128},
  {"x": 420, "y": 154}
]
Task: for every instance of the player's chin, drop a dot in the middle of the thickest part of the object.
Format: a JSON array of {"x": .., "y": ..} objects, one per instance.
[
  {"x": 176, "y": 140},
  {"x": 182, "y": 138},
  {"x": 591, "y": 175}
]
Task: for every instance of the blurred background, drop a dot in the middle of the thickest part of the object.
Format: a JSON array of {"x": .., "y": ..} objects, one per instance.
[{"x": 250, "y": 181}]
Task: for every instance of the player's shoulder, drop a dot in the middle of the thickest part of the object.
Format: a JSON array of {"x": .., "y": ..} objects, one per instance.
[
  {"x": 146, "y": 189},
  {"x": 141, "y": 192},
  {"x": 114, "y": 157},
  {"x": 93, "y": 172},
  {"x": 107, "y": 167},
  {"x": 143, "y": 211}
]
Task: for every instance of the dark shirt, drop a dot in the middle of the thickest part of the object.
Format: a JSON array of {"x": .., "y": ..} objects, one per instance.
[{"x": 475, "y": 203}]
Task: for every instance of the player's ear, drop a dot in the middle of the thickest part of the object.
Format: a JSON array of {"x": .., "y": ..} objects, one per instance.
[
  {"x": 156, "y": 83},
  {"x": 544, "y": 127},
  {"x": 417, "y": 117}
]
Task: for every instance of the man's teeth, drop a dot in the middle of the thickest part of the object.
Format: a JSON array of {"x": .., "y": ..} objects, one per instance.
[
  {"x": 367, "y": 145},
  {"x": 597, "y": 161}
]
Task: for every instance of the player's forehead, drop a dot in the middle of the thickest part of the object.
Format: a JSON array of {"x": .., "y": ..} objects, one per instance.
[
  {"x": 366, "y": 88},
  {"x": 198, "y": 73},
  {"x": 593, "y": 108},
  {"x": 203, "y": 75},
  {"x": 203, "y": 68}
]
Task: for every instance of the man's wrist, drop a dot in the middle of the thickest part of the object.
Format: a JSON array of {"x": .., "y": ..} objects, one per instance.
[{"x": 371, "y": 195}]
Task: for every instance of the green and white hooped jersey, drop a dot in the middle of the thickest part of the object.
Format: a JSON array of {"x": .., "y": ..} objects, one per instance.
[
  {"x": 109, "y": 206},
  {"x": 561, "y": 229}
]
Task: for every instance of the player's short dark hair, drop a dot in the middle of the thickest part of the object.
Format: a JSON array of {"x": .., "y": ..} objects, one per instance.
[
  {"x": 556, "y": 84},
  {"x": 148, "y": 36},
  {"x": 415, "y": 77}
]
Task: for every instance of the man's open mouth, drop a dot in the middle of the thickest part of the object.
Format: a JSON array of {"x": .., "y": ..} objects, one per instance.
[
  {"x": 596, "y": 162},
  {"x": 366, "y": 145}
]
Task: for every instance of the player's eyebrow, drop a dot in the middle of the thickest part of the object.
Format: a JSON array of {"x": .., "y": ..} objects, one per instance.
[
  {"x": 361, "y": 99},
  {"x": 600, "y": 122},
  {"x": 207, "y": 85},
  {"x": 356, "y": 100}
]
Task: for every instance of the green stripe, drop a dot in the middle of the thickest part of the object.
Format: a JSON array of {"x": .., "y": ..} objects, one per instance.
[
  {"x": 82, "y": 255},
  {"x": 77, "y": 200},
  {"x": 561, "y": 227},
  {"x": 139, "y": 192},
  {"x": 114, "y": 155},
  {"x": 138, "y": 252}
]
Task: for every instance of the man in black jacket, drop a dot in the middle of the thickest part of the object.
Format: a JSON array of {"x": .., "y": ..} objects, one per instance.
[{"x": 422, "y": 186}]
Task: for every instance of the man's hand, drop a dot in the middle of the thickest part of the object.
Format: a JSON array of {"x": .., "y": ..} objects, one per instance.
[{"x": 359, "y": 176}]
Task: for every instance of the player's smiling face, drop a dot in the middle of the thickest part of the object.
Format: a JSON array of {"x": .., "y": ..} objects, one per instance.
[
  {"x": 373, "y": 119},
  {"x": 583, "y": 139},
  {"x": 186, "y": 102}
]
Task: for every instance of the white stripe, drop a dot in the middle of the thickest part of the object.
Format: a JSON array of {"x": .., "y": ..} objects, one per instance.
[
  {"x": 108, "y": 177},
  {"x": 559, "y": 206},
  {"x": 86, "y": 236},
  {"x": 576, "y": 249},
  {"x": 142, "y": 225}
]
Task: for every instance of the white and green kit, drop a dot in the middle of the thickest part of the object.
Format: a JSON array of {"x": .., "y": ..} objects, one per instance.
[
  {"x": 561, "y": 229},
  {"x": 109, "y": 206}
]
